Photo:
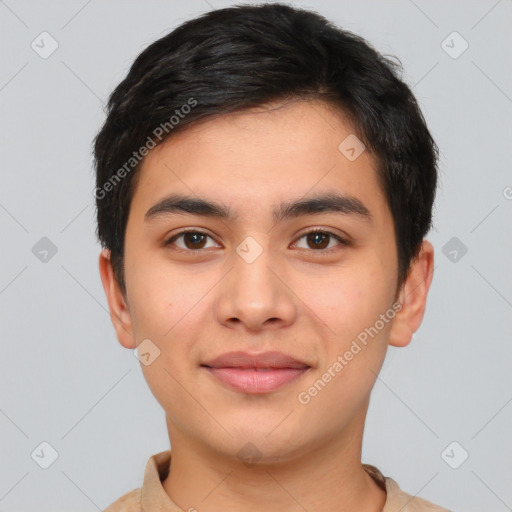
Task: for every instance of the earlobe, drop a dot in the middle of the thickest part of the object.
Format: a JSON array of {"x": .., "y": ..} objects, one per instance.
[
  {"x": 401, "y": 333},
  {"x": 119, "y": 312},
  {"x": 413, "y": 297}
]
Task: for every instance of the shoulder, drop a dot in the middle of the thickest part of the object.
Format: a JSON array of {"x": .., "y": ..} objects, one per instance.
[
  {"x": 129, "y": 502},
  {"x": 400, "y": 500}
]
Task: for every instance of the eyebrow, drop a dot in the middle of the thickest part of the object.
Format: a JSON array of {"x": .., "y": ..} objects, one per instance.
[{"x": 326, "y": 203}]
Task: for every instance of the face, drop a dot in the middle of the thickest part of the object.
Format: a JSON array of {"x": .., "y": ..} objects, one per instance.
[{"x": 255, "y": 279}]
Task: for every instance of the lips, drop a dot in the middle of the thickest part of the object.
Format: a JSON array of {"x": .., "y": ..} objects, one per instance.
[
  {"x": 263, "y": 360},
  {"x": 255, "y": 373}
]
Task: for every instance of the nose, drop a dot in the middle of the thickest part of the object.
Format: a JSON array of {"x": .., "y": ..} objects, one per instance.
[{"x": 255, "y": 295}]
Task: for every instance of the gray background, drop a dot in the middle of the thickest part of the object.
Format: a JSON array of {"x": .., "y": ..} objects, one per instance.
[{"x": 66, "y": 380}]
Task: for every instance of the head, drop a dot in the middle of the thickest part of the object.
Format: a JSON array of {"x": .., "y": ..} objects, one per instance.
[{"x": 254, "y": 108}]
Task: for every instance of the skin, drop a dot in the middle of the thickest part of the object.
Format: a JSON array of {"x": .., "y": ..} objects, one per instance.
[{"x": 293, "y": 298}]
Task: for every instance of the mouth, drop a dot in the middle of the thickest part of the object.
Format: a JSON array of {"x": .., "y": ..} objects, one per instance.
[{"x": 257, "y": 373}]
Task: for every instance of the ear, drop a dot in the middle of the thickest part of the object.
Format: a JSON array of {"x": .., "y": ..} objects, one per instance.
[
  {"x": 413, "y": 297},
  {"x": 117, "y": 303}
]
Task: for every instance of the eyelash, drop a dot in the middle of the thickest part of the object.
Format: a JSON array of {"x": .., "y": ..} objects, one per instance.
[{"x": 342, "y": 241}]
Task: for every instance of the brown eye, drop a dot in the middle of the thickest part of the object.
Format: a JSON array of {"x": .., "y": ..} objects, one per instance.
[
  {"x": 318, "y": 240},
  {"x": 192, "y": 240},
  {"x": 321, "y": 241}
]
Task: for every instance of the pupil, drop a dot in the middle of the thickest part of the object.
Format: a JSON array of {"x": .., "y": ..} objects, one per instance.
[
  {"x": 316, "y": 237},
  {"x": 196, "y": 237}
]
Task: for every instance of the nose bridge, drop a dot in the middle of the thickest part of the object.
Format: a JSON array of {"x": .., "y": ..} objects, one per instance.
[
  {"x": 252, "y": 293},
  {"x": 254, "y": 284}
]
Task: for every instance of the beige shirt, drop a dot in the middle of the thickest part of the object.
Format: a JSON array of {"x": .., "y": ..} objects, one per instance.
[{"x": 151, "y": 497}]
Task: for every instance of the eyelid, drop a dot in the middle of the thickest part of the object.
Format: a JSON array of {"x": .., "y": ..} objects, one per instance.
[
  {"x": 169, "y": 240},
  {"x": 344, "y": 241}
]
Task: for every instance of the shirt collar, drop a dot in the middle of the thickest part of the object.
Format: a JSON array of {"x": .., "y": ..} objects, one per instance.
[
  {"x": 153, "y": 496},
  {"x": 155, "y": 499}
]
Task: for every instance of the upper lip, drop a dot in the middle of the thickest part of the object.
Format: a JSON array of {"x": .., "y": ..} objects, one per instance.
[{"x": 262, "y": 360}]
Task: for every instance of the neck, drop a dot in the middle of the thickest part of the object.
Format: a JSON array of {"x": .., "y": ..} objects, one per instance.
[{"x": 327, "y": 477}]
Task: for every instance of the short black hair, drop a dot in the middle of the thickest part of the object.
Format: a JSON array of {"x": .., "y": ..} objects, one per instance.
[{"x": 246, "y": 56}]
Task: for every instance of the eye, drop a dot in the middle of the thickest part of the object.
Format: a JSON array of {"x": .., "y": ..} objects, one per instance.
[
  {"x": 320, "y": 240},
  {"x": 193, "y": 240}
]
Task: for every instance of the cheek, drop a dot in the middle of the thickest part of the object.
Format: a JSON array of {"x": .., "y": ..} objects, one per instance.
[
  {"x": 160, "y": 298},
  {"x": 350, "y": 303},
  {"x": 169, "y": 309},
  {"x": 346, "y": 300},
  {"x": 166, "y": 310}
]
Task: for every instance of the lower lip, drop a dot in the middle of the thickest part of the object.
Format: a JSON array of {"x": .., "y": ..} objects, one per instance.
[{"x": 250, "y": 380}]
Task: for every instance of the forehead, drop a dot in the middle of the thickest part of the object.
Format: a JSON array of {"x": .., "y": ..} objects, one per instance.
[{"x": 257, "y": 159}]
